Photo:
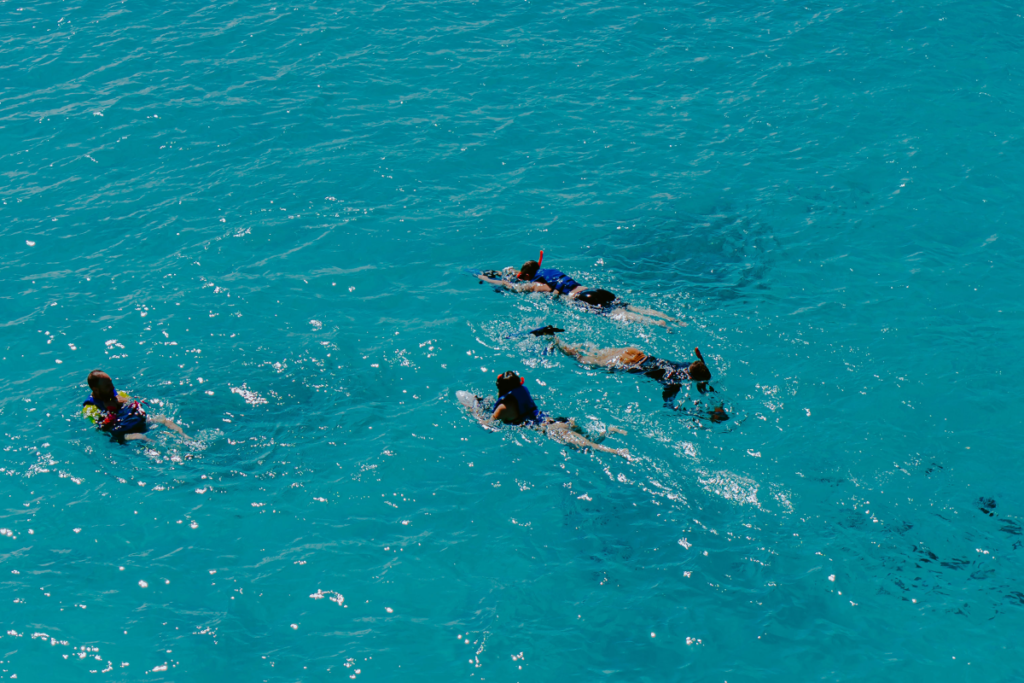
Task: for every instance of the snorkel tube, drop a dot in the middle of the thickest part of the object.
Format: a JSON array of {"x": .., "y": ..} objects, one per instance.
[
  {"x": 540, "y": 261},
  {"x": 718, "y": 414},
  {"x": 702, "y": 387}
]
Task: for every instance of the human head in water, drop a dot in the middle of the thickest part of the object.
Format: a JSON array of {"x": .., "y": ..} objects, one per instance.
[
  {"x": 528, "y": 270},
  {"x": 102, "y": 386},
  {"x": 698, "y": 372},
  {"x": 507, "y": 381}
]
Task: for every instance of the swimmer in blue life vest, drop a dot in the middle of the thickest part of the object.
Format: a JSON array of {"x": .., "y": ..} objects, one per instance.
[
  {"x": 515, "y": 406},
  {"x": 532, "y": 278},
  {"x": 118, "y": 414},
  {"x": 669, "y": 374}
]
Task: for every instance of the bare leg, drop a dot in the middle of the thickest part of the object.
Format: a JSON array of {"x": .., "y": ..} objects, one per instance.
[
  {"x": 598, "y": 436},
  {"x": 595, "y": 355},
  {"x": 623, "y": 315},
  {"x": 169, "y": 423},
  {"x": 562, "y": 433},
  {"x": 652, "y": 312},
  {"x": 135, "y": 437},
  {"x": 568, "y": 350}
]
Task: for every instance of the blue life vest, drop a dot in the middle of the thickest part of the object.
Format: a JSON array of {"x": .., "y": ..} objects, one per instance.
[
  {"x": 556, "y": 280},
  {"x": 99, "y": 405},
  {"x": 128, "y": 419},
  {"x": 528, "y": 412}
]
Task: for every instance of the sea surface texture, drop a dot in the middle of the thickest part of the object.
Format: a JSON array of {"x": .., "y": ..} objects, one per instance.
[{"x": 258, "y": 216}]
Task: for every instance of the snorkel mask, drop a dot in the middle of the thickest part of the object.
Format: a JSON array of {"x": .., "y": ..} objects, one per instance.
[{"x": 519, "y": 274}]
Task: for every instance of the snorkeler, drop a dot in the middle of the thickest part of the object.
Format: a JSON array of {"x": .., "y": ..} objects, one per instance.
[
  {"x": 532, "y": 278},
  {"x": 669, "y": 374},
  {"x": 515, "y": 406},
  {"x": 116, "y": 413}
]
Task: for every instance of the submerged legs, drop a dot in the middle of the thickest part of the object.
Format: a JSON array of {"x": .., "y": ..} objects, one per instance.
[
  {"x": 623, "y": 314},
  {"x": 563, "y": 432},
  {"x": 652, "y": 312},
  {"x": 169, "y": 423}
]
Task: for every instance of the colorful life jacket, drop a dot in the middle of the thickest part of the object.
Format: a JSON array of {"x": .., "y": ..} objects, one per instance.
[
  {"x": 528, "y": 411},
  {"x": 127, "y": 419},
  {"x": 556, "y": 280}
]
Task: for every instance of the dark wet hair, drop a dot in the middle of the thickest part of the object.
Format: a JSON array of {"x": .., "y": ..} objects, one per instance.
[
  {"x": 698, "y": 371},
  {"x": 101, "y": 384},
  {"x": 529, "y": 269},
  {"x": 507, "y": 381}
]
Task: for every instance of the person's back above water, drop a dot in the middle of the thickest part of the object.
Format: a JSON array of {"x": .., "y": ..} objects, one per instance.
[
  {"x": 515, "y": 406},
  {"x": 532, "y": 278},
  {"x": 116, "y": 413}
]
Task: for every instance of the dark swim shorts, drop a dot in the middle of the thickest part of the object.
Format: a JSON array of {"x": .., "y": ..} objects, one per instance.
[{"x": 599, "y": 298}]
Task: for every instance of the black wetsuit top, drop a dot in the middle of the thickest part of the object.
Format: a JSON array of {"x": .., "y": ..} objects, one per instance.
[
  {"x": 671, "y": 376},
  {"x": 665, "y": 372}
]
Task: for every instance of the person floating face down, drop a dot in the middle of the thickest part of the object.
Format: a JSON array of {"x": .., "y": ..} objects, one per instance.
[
  {"x": 667, "y": 373},
  {"x": 515, "y": 406},
  {"x": 116, "y": 413},
  {"x": 532, "y": 278}
]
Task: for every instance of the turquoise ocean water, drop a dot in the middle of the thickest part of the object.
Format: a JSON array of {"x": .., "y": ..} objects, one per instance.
[{"x": 257, "y": 216}]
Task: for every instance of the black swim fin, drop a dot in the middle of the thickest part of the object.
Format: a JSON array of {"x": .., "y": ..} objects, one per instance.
[
  {"x": 716, "y": 415},
  {"x": 539, "y": 332}
]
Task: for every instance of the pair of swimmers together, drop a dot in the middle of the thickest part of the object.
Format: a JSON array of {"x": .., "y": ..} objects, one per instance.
[
  {"x": 532, "y": 278},
  {"x": 515, "y": 405}
]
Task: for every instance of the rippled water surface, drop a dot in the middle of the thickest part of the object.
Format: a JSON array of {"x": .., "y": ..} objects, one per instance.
[{"x": 258, "y": 217}]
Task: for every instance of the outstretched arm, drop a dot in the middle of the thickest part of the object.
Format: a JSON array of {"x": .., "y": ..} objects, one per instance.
[{"x": 516, "y": 286}]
